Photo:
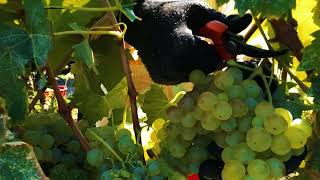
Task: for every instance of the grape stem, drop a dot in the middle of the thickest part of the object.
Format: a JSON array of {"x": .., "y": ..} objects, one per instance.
[
  {"x": 65, "y": 110},
  {"x": 285, "y": 67}
]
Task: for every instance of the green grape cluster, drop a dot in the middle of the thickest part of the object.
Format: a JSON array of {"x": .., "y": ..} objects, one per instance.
[{"x": 223, "y": 107}]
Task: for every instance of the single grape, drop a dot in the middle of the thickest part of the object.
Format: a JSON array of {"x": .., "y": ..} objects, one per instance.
[
  {"x": 186, "y": 103},
  {"x": 258, "y": 169},
  {"x": 239, "y": 108},
  {"x": 236, "y": 74},
  {"x": 210, "y": 123},
  {"x": 174, "y": 114},
  {"x": 251, "y": 103},
  {"x": 275, "y": 124},
  {"x": 197, "y": 154},
  {"x": 188, "y": 120},
  {"x": 258, "y": 122},
  {"x": 46, "y": 141},
  {"x": 122, "y": 133},
  {"x": 243, "y": 153},
  {"x": 223, "y": 80},
  {"x": 244, "y": 123},
  {"x": 73, "y": 146},
  {"x": 263, "y": 109},
  {"x": 188, "y": 133},
  {"x": 233, "y": 170},
  {"x": 251, "y": 88},
  {"x": 280, "y": 145},
  {"x": 302, "y": 125},
  {"x": 296, "y": 137},
  {"x": 153, "y": 168},
  {"x": 236, "y": 92},
  {"x": 228, "y": 154},
  {"x": 95, "y": 157},
  {"x": 277, "y": 168},
  {"x": 206, "y": 101},
  {"x": 285, "y": 114},
  {"x": 234, "y": 138},
  {"x": 198, "y": 113},
  {"x": 223, "y": 97},
  {"x": 32, "y": 137},
  {"x": 258, "y": 139},
  {"x": 177, "y": 150},
  {"x": 126, "y": 145},
  {"x": 197, "y": 77},
  {"x": 228, "y": 125},
  {"x": 220, "y": 139},
  {"x": 222, "y": 110}
]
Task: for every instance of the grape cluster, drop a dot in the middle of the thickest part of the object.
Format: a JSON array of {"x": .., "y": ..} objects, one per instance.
[
  {"x": 58, "y": 152},
  {"x": 253, "y": 139}
]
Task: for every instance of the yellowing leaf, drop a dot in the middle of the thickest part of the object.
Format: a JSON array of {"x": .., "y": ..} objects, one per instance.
[
  {"x": 300, "y": 74},
  {"x": 3, "y": 1}
]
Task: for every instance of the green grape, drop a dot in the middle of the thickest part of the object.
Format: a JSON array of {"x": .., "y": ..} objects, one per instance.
[
  {"x": 265, "y": 154},
  {"x": 222, "y": 110},
  {"x": 258, "y": 139},
  {"x": 197, "y": 77},
  {"x": 59, "y": 171},
  {"x": 200, "y": 130},
  {"x": 229, "y": 125},
  {"x": 263, "y": 109},
  {"x": 186, "y": 103},
  {"x": 198, "y": 113},
  {"x": 223, "y": 80},
  {"x": 79, "y": 174},
  {"x": 228, "y": 154},
  {"x": 139, "y": 171},
  {"x": 251, "y": 88},
  {"x": 56, "y": 154},
  {"x": 197, "y": 154},
  {"x": 258, "y": 169},
  {"x": 285, "y": 114},
  {"x": 251, "y": 103},
  {"x": 206, "y": 101},
  {"x": 277, "y": 168},
  {"x": 153, "y": 168},
  {"x": 188, "y": 120},
  {"x": 247, "y": 177},
  {"x": 236, "y": 74},
  {"x": 243, "y": 153},
  {"x": 174, "y": 114},
  {"x": 244, "y": 124},
  {"x": 177, "y": 150},
  {"x": 280, "y": 145},
  {"x": 39, "y": 153},
  {"x": 210, "y": 123},
  {"x": 233, "y": 170},
  {"x": 297, "y": 137},
  {"x": 123, "y": 132},
  {"x": 126, "y": 145},
  {"x": 275, "y": 124},
  {"x": 234, "y": 138},
  {"x": 236, "y": 92},
  {"x": 157, "y": 178},
  {"x": 95, "y": 157},
  {"x": 258, "y": 122},
  {"x": 73, "y": 146},
  {"x": 158, "y": 123},
  {"x": 188, "y": 133},
  {"x": 220, "y": 139},
  {"x": 69, "y": 160},
  {"x": 46, "y": 141},
  {"x": 173, "y": 130},
  {"x": 302, "y": 125},
  {"x": 298, "y": 152},
  {"x": 223, "y": 97},
  {"x": 285, "y": 157},
  {"x": 32, "y": 137},
  {"x": 239, "y": 108},
  {"x": 47, "y": 155}
]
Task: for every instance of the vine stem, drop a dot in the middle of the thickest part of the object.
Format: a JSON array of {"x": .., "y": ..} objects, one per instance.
[
  {"x": 65, "y": 111},
  {"x": 285, "y": 67}
]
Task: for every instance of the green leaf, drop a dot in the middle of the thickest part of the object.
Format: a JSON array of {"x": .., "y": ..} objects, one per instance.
[
  {"x": 38, "y": 27},
  {"x": 221, "y": 2},
  {"x": 311, "y": 54},
  {"x": 84, "y": 52},
  {"x": 18, "y": 161},
  {"x": 315, "y": 91},
  {"x": 155, "y": 104}
]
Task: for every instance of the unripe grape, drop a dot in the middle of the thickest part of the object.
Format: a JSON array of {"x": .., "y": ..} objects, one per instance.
[
  {"x": 243, "y": 153},
  {"x": 228, "y": 154},
  {"x": 46, "y": 141},
  {"x": 95, "y": 157},
  {"x": 236, "y": 92},
  {"x": 228, "y": 125},
  {"x": 174, "y": 114},
  {"x": 277, "y": 168},
  {"x": 257, "y": 122},
  {"x": 222, "y": 110},
  {"x": 263, "y": 109},
  {"x": 188, "y": 133},
  {"x": 188, "y": 120},
  {"x": 197, "y": 77},
  {"x": 210, "y": 123},
  {"x": 234, "y": 138},
  {"x": 236, "y": 74},
  {"x": 252, "y": 89},
  {"x": 244, "y": 124}
]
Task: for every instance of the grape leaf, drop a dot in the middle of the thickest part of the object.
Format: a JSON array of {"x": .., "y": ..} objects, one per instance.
[
  {"x": 18, "y": 161},
  {"x": 38, "y": 27},
  {"x": 315, "y": 91},
  {"x": 221, "y": 2},
  {"x": 155, "y": 104},
  {"x": 84, "y": 52},
  {"x": 311, "y": 55}
]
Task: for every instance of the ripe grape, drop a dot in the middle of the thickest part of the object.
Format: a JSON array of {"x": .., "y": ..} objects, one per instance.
[
  {"x": 223, "y": 80},
  {"x": 228, "y": 154},
  {"x": 188, "y": 120},
  {"x": 263, "y": 109},
  {"x": 236, "y": 74},
  {"x": 258, "y": 139},
  {"x": 233, "y": 170},
  {"x": 197, "y": 77},
  {"x": 258, "y": 169},
  {"x": 285, "y": 114},
  {"x": 95, "y": 157},
  {"x": 228, "y": 125},
  {"x": 251, "y": 88},
  {"x": 296, "y": 137},
  {"x": 236, "y": 92},
  {"x": 302, "y": 125},
  {"x": 280, "y": 145},
  {"x": 275, "y": 124},
  {"x": 222, "y": 110},
  {"x": 186, "y": 103},
  {"x": 206, "y": 101},
  {"x": 174, "y": 114},
  {"x": 243, "y": 153},
  {"x": 277, "y": 168},
  {"x": 235, "y": 138},
  {"x": 210, "y": 123},
  {"x": 239, "y": 108},
  {"x": 223, "y": 97}
]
